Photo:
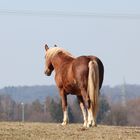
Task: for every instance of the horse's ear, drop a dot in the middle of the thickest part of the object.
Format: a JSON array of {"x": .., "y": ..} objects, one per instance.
[{"x": 46, "y": 47}]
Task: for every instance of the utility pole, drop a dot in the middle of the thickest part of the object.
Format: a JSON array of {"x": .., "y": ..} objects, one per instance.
[
  {"x": 123, "y": 93},
  {"x": 44, "y": 107},
  {"x": 22, "y": 105}
]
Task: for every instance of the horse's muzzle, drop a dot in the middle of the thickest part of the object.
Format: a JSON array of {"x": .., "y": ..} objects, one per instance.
[{"x": 47, "y": 72}]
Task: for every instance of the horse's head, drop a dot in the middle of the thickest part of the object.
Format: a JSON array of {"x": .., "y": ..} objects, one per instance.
[
  {"x": 50, "y": 59},
  {"x": 48, "y": 63}
]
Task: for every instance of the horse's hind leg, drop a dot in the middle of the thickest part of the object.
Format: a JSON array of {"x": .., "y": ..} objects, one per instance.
[
  {"x": 92, "y": 116},
  {"x": 88, "y": 104},
  {"x": 64, "y": 107},
  {"x": 90, "y": 119},
  {"x": 83, "y": 108}
]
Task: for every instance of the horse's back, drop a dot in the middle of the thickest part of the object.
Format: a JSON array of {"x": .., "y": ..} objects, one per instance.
[{"x": 80, "y": 64}]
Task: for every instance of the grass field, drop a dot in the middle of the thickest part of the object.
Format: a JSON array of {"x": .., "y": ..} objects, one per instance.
[{"x": 47, "y": 131}]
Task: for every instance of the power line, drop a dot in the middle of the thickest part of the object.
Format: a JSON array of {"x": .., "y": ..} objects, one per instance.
[{"x": 69, "y": 14}]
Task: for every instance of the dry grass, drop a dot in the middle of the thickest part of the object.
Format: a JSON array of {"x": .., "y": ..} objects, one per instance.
[{"x": 47, "y": 131}]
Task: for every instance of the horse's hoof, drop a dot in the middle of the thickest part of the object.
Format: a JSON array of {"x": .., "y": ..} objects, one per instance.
[
  {"x": 94, "y": 125},
  {"x": 91, "y": 124},
  {"x": 85, "y": 124},
  {"x": 64, "y": 123}
]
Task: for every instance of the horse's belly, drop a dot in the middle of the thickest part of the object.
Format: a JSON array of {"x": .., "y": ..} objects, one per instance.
[{"x": 72, "y": 89}]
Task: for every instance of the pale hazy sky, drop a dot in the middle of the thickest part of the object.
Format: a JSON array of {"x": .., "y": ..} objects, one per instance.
[{"x": 115, "y": 40}]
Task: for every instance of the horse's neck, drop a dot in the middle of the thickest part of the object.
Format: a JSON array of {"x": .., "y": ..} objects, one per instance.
[{"x": 59, "y": 60}]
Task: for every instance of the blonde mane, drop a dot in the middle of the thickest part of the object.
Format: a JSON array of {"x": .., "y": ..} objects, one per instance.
[{"x": 55, "y": 50}]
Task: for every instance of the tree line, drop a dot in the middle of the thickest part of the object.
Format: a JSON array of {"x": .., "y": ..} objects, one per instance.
[
  {"x": 50, "y": 111},
  {"x": 29, "y": 94}
]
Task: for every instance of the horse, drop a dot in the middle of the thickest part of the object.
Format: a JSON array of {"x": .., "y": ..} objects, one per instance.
[{"x": 81, "y": 76}]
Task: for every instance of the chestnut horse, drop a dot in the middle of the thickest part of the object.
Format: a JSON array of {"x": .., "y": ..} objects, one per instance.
[{"x": 81, "y": 76}]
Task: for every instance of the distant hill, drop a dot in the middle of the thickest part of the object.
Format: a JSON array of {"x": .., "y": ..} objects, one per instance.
[
  {"x": 116, "y": 93},
  {"x": 31, "y": 93}
]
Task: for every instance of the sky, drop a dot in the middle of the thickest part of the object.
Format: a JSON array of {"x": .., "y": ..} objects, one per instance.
[{"x": 114, "y": 37}]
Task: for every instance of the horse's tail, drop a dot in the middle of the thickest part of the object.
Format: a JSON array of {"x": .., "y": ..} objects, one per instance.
[{"x": 93, "y": 84}]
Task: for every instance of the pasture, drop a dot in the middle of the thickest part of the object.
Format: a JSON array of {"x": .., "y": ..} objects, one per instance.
[{"x": 52, "y": 131}]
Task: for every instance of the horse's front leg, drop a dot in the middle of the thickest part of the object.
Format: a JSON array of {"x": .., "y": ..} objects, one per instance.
[{"x": 64, "y": 107}]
